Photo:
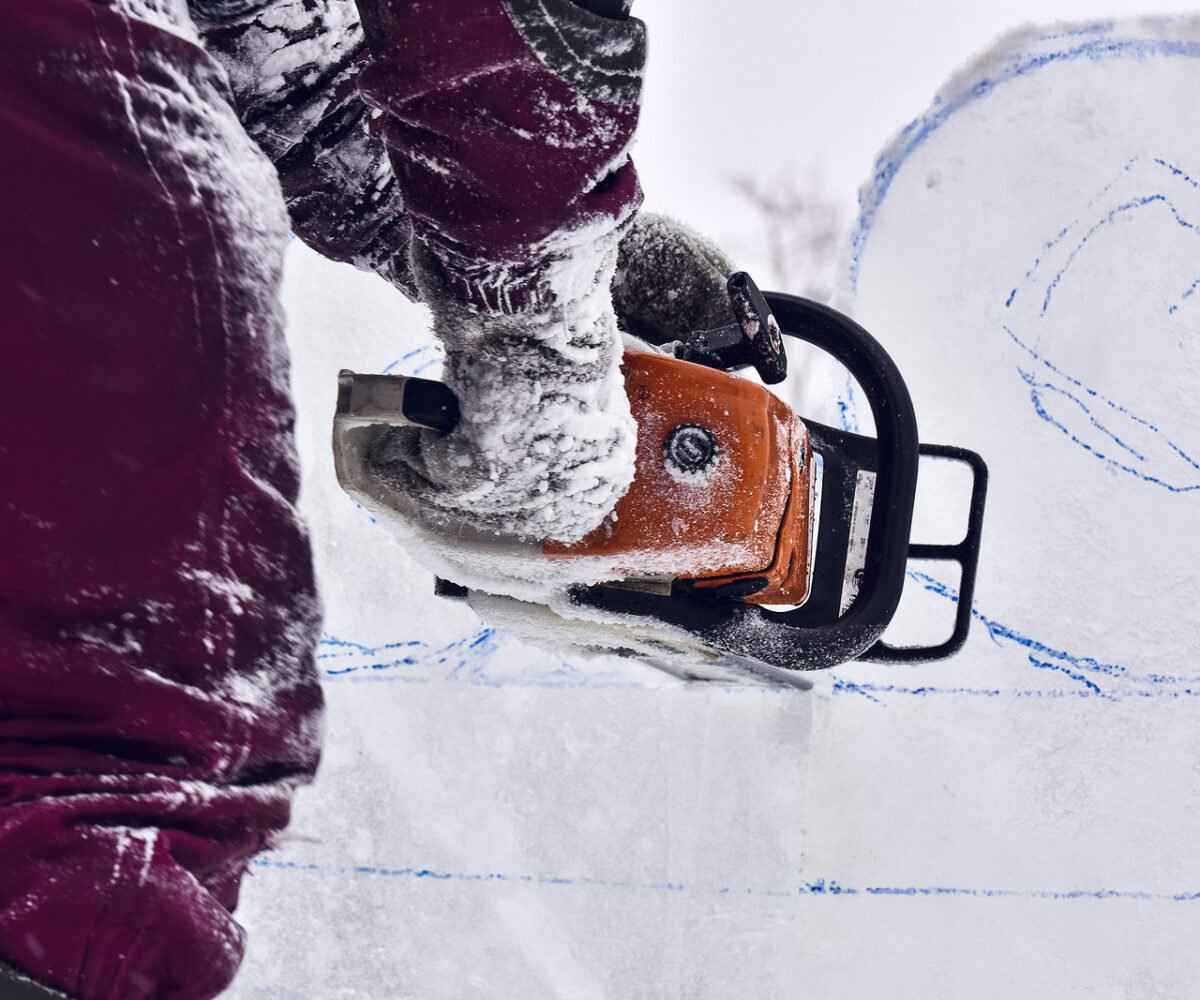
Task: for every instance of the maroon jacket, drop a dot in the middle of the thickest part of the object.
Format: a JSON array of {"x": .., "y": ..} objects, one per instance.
[{"x": 158, "y": 698}]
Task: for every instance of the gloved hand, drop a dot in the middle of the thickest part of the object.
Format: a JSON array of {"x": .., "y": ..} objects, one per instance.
[
  {"x": 508, "y": 124},
  {"x": 670, "y": 281}
]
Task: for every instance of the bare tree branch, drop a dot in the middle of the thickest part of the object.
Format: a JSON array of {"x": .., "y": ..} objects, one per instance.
[{"x": 800, "y": 227}]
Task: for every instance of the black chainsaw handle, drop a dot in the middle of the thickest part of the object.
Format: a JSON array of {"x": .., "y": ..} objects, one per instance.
[
  {"x": 896, "y": 476},
  {"x": 965, "y": 553},
  {"x": 395, "y": 400}
]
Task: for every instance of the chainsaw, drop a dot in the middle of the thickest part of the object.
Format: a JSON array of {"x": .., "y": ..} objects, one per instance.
[{"x": 777, "y": 543}]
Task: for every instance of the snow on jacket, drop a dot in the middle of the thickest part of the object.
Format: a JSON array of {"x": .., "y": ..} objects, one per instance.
[{"x": 158, "y": 697}]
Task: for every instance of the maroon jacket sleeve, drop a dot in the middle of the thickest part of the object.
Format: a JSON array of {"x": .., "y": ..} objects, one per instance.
[
  {"x": 158, "y": 696},
  {"x": 293, "y": 67},
  {"x": 158, "y": 692},
  {"x": 507, "y": 122}
]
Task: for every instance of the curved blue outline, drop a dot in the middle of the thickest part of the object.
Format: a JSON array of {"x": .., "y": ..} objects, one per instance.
[{"x": 914, "y": 135}]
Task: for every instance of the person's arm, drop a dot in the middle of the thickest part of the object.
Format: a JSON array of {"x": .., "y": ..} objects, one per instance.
[
  {"x": 508, "y": 124},
  {"x": 293, "y": 66},
  {"x": 499, "y": 133}
]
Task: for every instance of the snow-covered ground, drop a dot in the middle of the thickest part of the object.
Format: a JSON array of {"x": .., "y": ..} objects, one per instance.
[{"x": 1019, "y": 821}]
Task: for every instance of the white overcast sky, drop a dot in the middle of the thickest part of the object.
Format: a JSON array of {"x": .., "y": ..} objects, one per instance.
[{"x": 762, "y": 85}]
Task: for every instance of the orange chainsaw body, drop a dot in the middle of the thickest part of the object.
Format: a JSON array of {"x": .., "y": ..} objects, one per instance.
[{"x": 722, "y": 491}]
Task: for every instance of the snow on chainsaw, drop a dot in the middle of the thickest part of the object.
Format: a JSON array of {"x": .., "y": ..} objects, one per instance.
[{"x": 751, "y": 540}]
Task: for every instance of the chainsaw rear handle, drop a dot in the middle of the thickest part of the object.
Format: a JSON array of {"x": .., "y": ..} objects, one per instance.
[
  {"x": 395, "y": 400},
  {"x": 965, "y": 553}
]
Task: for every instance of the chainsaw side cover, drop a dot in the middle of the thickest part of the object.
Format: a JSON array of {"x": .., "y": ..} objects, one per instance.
[{"x": 721, "y": 489}]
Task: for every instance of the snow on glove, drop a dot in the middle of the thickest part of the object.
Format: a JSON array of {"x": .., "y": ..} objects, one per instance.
[
  {"x": 508, "y": 124},
  {"x": 670, "y": 281}
]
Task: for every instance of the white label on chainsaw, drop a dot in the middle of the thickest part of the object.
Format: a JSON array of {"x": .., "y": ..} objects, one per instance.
[
  {"x": 816, "y": 481},
  {"x": 860, "y": 533}
]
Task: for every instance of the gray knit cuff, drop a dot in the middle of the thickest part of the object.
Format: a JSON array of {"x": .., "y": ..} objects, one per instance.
[{"x": 600, "y": 56}]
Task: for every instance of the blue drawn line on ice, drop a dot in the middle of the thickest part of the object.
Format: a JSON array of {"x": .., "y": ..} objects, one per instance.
[
  {"x": 922, "y": 128},
  {"x": 819, "y": 888},
  {"x": 371, "y": 518},
  {"x": 1039, "y": 386},
  {"x": 346, "y": 646},
  {"x": 391, "y": 366},
  {"x": 466, "y": 660},
  {"x": 473, "y": 647},
  {"x": 1090, "y": 685},
  {"x": 1110, "y": 217},
  {"x": 1174, "y": 307},
  {"x": 848, "y": 407},
  {"x": 1049, "y": 245},
  {"x": 1000, "y": 633},
  {"x": 918, "y": 132},
  {"x": 1182, "y": 174},
  {"x": 1132, "y": 205},
  {"x": 1081, "y": 401},
  {"x": 469, "y": 660},
  {"x": 1054, "y": 241},
  {"x": 1088, "y": 672},
  {"x": 1041, "y": 411}
]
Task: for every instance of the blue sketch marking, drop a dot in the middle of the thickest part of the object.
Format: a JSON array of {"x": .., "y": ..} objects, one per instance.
[
  {"x": 371, "y": 518},
  {"x": 358, "y": 647},
  {"x": 1052, "y": 243},
  {"x": 1094, "y": 43},
  {"x": 1084, "y": 397},
  {"x": 410, "y": 355},
  {"x": 819, "y": 888},
  {"x": 1174, "y": 307},
  {"x": 875, "y": 692},
  {"x": 1096, "y": 679},
  {"x": 1075, "y": 675},
  {"x": 1178, "y": 172},
  {"x": 848, "y": 408},
  {"x": 469, "y": 659},
  {"x": 918, "y": 132},
  {"x": 1099, "y": 28},
  {"x": 1131, "y": 205},
  {"x": 471, "y": 649},
  {"x": 1136, "y": 461}
]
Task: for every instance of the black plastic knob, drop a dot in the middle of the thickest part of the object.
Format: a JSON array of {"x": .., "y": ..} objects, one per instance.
[{"x": 690, "y": 449}]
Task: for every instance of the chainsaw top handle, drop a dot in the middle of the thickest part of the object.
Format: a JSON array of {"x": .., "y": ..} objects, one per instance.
[{"x": 898, "y": 458}]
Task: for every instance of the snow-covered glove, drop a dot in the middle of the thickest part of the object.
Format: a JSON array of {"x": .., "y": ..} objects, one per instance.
[
  {"x": 508, "y": 124},
  {"x": 670, "y": 281}
]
